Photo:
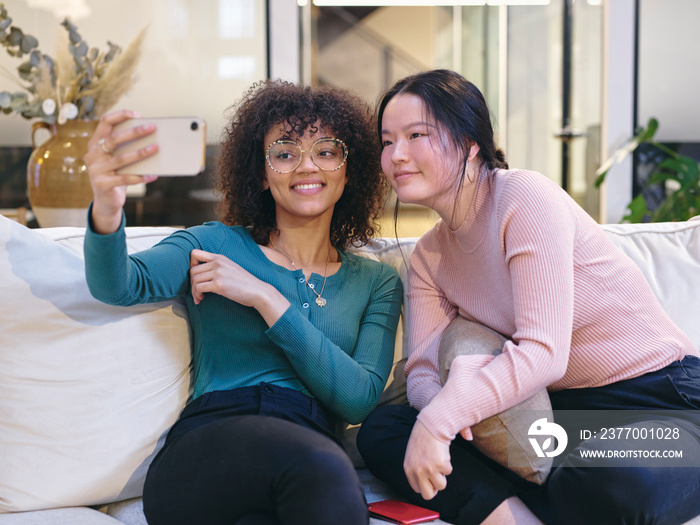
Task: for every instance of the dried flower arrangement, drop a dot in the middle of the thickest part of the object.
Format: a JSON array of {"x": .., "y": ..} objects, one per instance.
[{"x": 81, "y": 83}]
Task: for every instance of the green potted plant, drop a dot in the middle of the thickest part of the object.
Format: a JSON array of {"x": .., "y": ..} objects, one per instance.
[{"x": 679, "y": 175}]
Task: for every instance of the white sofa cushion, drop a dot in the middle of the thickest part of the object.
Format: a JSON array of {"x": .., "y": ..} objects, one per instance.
[
  {"x": 87, "y": 390},
  {"x": 669, "y": 256}
]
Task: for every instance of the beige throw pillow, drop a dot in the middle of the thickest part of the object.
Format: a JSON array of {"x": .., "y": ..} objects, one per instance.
[{"x": 503, "y": 437}]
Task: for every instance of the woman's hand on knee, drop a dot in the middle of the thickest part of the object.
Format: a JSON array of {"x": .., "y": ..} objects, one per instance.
[{"x": 427, "y": 462}]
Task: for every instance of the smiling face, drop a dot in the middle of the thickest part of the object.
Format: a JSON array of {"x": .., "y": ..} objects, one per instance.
[
  {"x": 308, "y": 191},
  {"x": 417, "y": 158}
]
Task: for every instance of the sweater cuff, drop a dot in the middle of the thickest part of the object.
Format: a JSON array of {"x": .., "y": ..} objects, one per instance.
[
  {"x": 431, "y": 417},
  {"x": 420, "y": 395},
  {"x": 286, "y": 328},
  {"x": 97, "y": 244},
  {"x": 448, "y": 412},
  {"x": 91, "y": 228}
]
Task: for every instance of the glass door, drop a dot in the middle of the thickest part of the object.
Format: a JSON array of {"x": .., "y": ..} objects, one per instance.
[
  {"x": 554, "y": 75},
  {"x": 539, "y": 67}
]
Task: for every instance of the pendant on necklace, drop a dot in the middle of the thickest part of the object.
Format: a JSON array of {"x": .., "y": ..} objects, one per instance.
[{"x": 320, "y": 301}]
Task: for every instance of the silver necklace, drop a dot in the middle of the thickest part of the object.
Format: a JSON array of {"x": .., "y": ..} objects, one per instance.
[{"x": 320, "y": 301}]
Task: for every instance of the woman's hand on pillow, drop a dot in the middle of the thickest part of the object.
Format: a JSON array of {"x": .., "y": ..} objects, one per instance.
[{"x": 427, "y": 462}]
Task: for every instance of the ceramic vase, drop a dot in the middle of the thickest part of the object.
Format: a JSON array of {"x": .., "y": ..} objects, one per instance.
[{"x": 57, "y": 180}]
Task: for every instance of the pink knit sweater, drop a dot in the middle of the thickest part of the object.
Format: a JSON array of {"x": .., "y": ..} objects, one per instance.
[{"x": 529, "y": 263}]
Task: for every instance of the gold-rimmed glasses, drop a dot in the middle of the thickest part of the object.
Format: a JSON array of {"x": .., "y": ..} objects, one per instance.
[{"x": 285, "y": 156}]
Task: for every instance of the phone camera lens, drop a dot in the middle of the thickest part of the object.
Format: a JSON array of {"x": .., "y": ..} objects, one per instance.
[{"x": 194, "y": 126}]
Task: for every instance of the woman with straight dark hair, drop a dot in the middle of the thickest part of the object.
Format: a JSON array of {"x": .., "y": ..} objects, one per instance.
[
  {"x": 514, "y": 253},
  {"x": 290, "y": 331}
]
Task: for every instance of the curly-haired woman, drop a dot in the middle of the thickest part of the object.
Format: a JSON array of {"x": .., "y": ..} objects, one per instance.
[{"x": 290, "y": 331}]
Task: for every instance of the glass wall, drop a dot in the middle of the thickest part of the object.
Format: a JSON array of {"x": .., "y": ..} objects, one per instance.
[
  {"x": 359, "y": 48},
  {"x": 367, "y": 49},
  {"x": 535, "y": 94},
  {"x": 514, "y": 54}
]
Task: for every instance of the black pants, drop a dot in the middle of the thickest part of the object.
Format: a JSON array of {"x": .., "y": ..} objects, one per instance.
[
  {"x": 574, "y": 492},
  {"x": 253, "y": 456}
]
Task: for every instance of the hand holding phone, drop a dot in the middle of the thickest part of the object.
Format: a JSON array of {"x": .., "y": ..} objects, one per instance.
[
  {"x": 181, "y": 145},
  {"x": 400, "y": 512}
]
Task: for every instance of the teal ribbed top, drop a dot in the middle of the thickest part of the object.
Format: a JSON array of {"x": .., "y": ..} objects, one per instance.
[{"x": 340, "y": 354}]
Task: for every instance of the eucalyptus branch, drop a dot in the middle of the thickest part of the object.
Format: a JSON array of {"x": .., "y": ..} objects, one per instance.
[{"x": 10, "y": 75}]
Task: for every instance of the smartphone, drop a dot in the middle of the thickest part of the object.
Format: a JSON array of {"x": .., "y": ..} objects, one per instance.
[
  {"x": 181, "y": 147},
  {"x": 399, "y": 512}
]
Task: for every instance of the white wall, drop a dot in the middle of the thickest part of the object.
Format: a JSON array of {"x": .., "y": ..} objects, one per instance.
[
  {"x": 618, "y": 112},
  {"x": 199, "y": 56},
  {"x": 668, "y": 82},
  {"x": 534, "y": 88},
  {"x": 285, "y": 37},
  {"x": 669, "y": 73}
]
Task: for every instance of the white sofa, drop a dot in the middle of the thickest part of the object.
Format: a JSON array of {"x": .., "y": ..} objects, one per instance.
[{"x": 88, "y": 391}]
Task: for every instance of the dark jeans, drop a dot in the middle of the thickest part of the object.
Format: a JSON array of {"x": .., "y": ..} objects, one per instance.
[
  {"x": 573, "y": 493},
  {"x": 254, "y": 455}
]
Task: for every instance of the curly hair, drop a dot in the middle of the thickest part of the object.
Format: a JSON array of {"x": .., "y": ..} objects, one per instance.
[{"x": 241, "y": 165}]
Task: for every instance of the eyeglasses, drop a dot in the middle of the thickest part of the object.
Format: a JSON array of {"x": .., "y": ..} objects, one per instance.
[{"x": 284, "y": 156}]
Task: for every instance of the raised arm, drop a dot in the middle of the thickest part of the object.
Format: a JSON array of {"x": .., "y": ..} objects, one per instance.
[{"x": 108, "y": 187}]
